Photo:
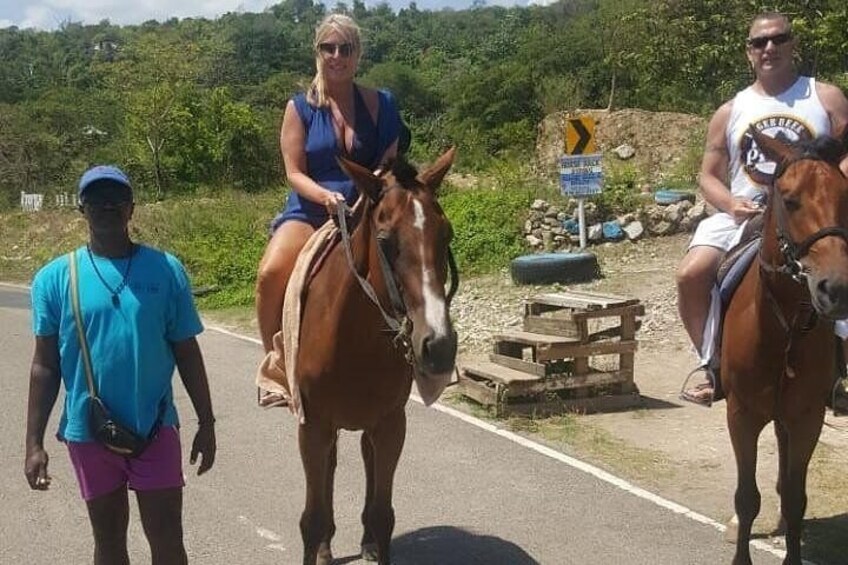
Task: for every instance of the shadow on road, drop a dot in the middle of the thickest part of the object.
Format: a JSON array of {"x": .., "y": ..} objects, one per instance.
[
  {"x": 824, "y": 539},
  {"x": 657, "y": 404},
  {"x": 445, "y": 545}
]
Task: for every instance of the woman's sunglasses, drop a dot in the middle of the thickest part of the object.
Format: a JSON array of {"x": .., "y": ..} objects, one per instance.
[
  {"x": 762, "y": 41},
  {"x": 330, "y": 49}
]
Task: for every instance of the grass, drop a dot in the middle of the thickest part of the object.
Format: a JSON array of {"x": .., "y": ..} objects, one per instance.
[
  {"x": 220, "y": 238},
  {"x": 574, "y": 434}
]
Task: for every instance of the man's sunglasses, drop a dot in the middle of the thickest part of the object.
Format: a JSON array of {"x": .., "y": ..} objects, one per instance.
[
  {"x": 330, "y": 49},
  {"x": 100, "y": 199},
  {"x": 762, "y": 41}
]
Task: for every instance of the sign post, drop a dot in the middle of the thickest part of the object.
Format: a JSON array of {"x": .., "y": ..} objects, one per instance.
[{"x": 580, "y": 171}]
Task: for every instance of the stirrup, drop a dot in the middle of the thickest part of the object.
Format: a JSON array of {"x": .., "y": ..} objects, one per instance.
[
  {"x": 279, "y": 399},
  {"x": 686, "y": 393},
  {"x": 839, "y": 399}
]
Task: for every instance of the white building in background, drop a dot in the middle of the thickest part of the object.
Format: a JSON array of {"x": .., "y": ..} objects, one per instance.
[{"x": 31, "y": 202}]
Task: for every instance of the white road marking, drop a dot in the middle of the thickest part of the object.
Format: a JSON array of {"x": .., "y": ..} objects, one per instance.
[{"x": 599, "y": 474}]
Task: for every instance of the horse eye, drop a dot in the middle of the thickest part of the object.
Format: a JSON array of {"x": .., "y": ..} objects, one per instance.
[
  {"x": 791, "y": 204},
  {"x": 388, "y": 245}
]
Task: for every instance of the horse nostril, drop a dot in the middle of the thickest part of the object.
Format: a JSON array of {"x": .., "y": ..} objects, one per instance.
[
  {"x": 425, "y": 346},
  {"x": 835, "y": 293}
]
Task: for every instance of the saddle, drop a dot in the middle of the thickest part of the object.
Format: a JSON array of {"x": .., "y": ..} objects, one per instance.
[{"x": 731, "y": 271}]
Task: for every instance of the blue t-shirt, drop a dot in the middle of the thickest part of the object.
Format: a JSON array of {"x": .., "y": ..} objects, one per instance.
[
  {"x": 371, "y": 140},
  {"x": 129, "y": 343}
]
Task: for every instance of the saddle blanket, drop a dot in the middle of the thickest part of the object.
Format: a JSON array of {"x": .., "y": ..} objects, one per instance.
[{"x": 277, "y": 370}]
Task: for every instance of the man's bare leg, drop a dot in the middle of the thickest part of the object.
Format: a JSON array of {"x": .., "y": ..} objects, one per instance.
[
  {"x": 695, "y": 279},
  {"x": 696, "y": 276}
]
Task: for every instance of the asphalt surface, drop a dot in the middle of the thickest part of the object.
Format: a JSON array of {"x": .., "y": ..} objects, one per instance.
[{"x": 463, "y": 495}]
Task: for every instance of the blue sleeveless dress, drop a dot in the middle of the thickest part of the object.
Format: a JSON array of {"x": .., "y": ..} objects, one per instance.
[{"x": 370, "y": 142}]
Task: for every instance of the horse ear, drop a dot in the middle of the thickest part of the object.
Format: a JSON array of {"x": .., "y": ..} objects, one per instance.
[
  {"x": 434, "y": 175},
  {"x": 364, "y": 179},
  {"x": 776, "y": 150}
]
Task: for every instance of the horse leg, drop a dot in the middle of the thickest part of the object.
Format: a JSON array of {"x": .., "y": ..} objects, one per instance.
[
  {"x": 387, "y": 442},
  {"x": 744, "y": 433},
  {"x": 316, "y": 443},
  {"x": 368, "y": 545},
  {"x": 782, "y": 458},
  {"x": 802, "y": 440},
  {"x": 325, "y": 553}
]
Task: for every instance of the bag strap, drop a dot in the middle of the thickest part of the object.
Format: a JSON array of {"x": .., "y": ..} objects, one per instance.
[
  {"x": 86, "y": 356},
  {"x": 83, "y": 343}
]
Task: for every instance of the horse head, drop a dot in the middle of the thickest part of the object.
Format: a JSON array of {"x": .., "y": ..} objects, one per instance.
[
  {"x": 809, "y": 202},
  {"x": 411, "y": 243}
]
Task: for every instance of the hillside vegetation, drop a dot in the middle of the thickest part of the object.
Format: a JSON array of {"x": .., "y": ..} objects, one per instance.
[{"x": 194, "y": 104}]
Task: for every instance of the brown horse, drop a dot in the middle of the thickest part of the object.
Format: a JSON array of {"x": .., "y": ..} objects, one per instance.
[
  {"x": 777, "y": 358},
  {"x": 352, "y": 373}
]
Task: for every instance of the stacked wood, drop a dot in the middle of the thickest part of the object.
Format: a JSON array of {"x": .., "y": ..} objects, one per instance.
[{"x": 575, "y": 353}]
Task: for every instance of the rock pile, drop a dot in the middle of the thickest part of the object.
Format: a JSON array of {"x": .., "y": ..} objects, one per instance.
[{"x": 552, "y": 227}]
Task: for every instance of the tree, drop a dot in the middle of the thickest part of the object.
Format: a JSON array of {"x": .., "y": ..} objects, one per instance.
[{"x": 155, "y": 73}]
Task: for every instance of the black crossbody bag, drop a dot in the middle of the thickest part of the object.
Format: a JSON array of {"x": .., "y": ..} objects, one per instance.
[{"x": 113, "y": 435}]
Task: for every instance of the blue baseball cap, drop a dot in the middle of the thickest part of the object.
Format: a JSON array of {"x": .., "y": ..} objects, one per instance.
[{"x": 103, "y": 173}]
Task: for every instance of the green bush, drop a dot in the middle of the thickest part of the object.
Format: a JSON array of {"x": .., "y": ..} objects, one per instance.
[
  {"x": 220, "y": 240},
  {"x": 620, "y": 192},
  {"x": 487, "y": 226}
]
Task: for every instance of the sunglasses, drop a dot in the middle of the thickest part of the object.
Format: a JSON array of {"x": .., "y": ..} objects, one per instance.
[
  {"x": 330, "y": 49},
  {"x": 762, "y": 41},
  {"x": 97, "y": 199}
]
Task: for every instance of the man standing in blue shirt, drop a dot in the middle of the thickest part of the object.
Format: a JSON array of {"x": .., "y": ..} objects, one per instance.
[{"x": 139, "y": 321}]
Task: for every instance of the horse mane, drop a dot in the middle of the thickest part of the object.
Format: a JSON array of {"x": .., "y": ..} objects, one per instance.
[
  {"x": 824, "y": 148},
  {"x": 403, "y": 171}
]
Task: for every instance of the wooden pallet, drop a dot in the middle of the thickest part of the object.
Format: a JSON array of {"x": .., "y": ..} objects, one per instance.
[{"x": 553, "y": 363}]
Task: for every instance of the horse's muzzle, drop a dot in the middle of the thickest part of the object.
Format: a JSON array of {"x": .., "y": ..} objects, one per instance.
[
  {"x": 830, "y": 296},
  {"x": 438, "y": 353}
]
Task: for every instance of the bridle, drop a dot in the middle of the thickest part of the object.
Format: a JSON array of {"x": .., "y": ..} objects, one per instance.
[
  {"x": 398, "y": 321},
  {"x": 793, "y": 252}
]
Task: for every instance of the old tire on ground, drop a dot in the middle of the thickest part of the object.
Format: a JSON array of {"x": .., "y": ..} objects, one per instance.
[
  {"x": 549, "y": 268},
  {"x": 666, "y": 197}
]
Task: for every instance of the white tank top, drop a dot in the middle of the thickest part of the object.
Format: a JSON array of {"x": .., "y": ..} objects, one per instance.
[{"x": 795, "y": 114}]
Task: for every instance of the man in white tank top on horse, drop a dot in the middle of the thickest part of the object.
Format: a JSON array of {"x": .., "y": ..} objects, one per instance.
[{"x": 780, "y": 103}]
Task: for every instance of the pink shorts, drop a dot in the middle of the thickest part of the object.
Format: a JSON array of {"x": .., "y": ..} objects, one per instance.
[{"x": 100, "y": 472}]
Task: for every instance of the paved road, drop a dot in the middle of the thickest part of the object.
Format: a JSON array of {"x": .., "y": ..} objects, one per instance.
[{"x": 463, "y": 495}]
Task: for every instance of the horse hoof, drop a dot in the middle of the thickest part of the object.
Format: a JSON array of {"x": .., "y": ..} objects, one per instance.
[
  {"x": 732, "y": 532},
  {"x": 779, "y": 528},
  {"x": 369, "y": 551},
  {"x": 325, "y": 556}
]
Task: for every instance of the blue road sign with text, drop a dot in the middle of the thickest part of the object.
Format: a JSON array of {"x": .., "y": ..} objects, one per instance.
[{"x": 581, "y": 175}]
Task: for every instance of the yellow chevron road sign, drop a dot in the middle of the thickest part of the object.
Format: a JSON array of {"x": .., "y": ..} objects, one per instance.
[{"x": 580, "y": 136}]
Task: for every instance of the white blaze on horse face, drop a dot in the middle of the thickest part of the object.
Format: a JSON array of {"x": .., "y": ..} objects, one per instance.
[
  {"x": 434, "y": 306},
  {"x": 435, "y": 311},
  {"x": 419, "y": 214}
]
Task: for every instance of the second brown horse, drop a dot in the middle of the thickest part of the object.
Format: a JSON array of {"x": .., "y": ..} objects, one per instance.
[{"x": 777, "y": 360}]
